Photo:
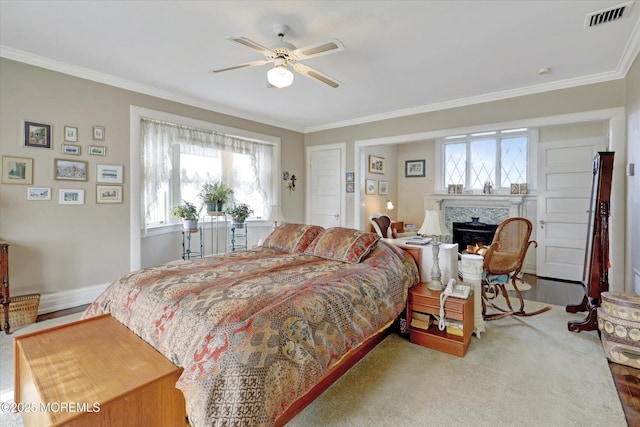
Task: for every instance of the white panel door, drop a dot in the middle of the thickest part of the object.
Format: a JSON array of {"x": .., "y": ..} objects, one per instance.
[
  {"x": 325, "y": 191},
  {"x": 565, "y": 170}
]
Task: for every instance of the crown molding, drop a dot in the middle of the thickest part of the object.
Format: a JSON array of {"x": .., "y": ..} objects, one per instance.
[
  {"x": 85, "y": 73},
  {"x": 463, "y": 102}
]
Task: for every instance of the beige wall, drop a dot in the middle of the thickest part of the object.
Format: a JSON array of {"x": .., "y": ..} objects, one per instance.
[
  {"x": 566, "y": 101},
  {"x": 57, "y": 248},
  {"x": 633, "y": 182}
]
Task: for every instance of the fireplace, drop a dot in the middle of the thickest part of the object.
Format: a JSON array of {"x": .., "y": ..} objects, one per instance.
[{"x": 472, "y": 233}]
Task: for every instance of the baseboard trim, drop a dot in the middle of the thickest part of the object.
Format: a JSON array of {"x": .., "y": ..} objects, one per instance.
[{"x": 69, "y": 299}]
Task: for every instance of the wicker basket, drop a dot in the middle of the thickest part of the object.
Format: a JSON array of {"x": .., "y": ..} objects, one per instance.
[{"x": 23, "y": 310}]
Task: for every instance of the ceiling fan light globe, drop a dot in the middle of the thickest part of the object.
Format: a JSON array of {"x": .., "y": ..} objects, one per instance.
[{"x": 279, "y": 76}]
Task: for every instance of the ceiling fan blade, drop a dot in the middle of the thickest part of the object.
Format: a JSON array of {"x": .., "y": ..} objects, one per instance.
[
  {"x": 250, "y": 43},
  {"x": 315, "y": 74},
  {"x": 248, "y": 64},
  {"x": 320, "y": 48}
]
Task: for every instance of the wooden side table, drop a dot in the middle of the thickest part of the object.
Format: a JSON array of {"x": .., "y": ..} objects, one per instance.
[{"x": 426, "y": 301}]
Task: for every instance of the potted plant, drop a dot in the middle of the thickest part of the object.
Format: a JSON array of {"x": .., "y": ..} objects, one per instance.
[
  {"x": 188, "y": 213},
  {"x": 239, "y": 212},
  {"x": 215, "y": 196}
]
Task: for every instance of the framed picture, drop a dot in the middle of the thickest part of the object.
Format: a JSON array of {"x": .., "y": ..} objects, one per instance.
[
  {"x": 98, "y": 133},
  {"x": 371, "y": 186},
  {"x": 459, "y": 188},
  {"x": 109, "y": 174},
  {"x": 68, "y": 196},
  {"x": 73, "y": 150},
  {"x": 376, "y": 164},
  {"x": 414, "y": 168},
  {"x": 38, "y": 193},
  {"x": 108, "y": 193},
  {"x": 515, "y": 188},
  {"x": 383, "y": 188},
  {"x": 17, "y": 170},
  {"x": 70, "y": 170},
  {"x": 97, "y": 150},
  {"x": 70, "y": 134},
  {"x": 451, "y": 189},
  {"x": 37, "y": 135},
  {"x": 350, "y": 177},
  {"x": 351, "y": 187},
  {"x": 523, "y": 188}
]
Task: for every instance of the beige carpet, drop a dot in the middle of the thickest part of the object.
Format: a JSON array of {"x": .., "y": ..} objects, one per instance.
[{"x": 522, "y": 372}]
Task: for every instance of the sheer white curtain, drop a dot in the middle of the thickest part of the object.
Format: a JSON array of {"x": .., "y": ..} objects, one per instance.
[{"x": 158, "y": 139}]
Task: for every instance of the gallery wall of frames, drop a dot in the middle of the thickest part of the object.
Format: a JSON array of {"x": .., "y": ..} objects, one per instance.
[{"x": 72, "y": 160}]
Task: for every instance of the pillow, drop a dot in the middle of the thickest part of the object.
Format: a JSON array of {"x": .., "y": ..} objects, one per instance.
[
  {"x": 292, "y": 238},
  {"x": 343, "y": 244}
]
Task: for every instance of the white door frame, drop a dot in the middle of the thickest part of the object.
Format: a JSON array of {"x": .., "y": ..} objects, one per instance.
[
  {"x": 619, "y": 277},
  {"x": 342, "y": 146}
]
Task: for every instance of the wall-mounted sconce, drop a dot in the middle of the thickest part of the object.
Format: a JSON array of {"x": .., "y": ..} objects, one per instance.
[{"x": 292, "y": 183}]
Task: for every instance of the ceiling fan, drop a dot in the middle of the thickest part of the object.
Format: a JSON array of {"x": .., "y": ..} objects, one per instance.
[{"x": 284, "y": 54}]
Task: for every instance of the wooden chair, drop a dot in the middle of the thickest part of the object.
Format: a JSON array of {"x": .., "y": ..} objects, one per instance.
[
  {"x": 503, "y": 261},
  {"x": 382, "y": 225}
]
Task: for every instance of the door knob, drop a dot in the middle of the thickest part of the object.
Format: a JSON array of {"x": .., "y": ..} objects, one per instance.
[
  {"x": 337, "y": 216},
  {"x": 541, "y": 222}
]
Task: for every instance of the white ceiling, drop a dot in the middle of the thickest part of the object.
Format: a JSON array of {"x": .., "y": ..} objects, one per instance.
[{"x": 400, "y": 57}]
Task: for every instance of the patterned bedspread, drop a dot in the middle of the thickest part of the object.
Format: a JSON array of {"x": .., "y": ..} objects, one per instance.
[{"x": 255, "y": 330}]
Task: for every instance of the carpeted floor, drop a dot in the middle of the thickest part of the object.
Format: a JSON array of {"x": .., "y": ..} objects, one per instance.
[{"x": 522, "y": 372}]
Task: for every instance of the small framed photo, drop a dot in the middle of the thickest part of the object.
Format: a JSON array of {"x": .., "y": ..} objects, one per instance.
[
  {"x": 371, "y": 186},
  {"x": 350, "y": 177},
  {"x": 515, "y": 188},
  {"x": 459, "y": 188},
  {"x": 111, "y": 174},
  {"x": 383, "y": 188},
  {"x": 17, "y": 170},
  {"x": 98, "y": 133},
  {"x": 70, "y": 170},
  {"x": 351, "y": 187},
  {"x": 37, "y": 135},
  {"x": 414, "y": 168},
  {"x": 523, "y": 188},
  {"x": 73, "y": 150},
  {"x": 377, "y": 164},
  {"x": 38, "y": 193},
  {"x": 70, "y": 134},
  {"x": 108, "y": 193},
  {"x": 97, "y": 150},
  {"x": 451, "y": 189},
  {"x": 68, "y": 196}
]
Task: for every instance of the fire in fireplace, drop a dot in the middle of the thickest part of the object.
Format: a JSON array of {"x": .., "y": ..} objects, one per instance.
[{"x": 473, "y": 233}]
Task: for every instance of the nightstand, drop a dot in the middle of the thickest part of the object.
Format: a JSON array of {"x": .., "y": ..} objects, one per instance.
[{"x": 427, "y": 302}]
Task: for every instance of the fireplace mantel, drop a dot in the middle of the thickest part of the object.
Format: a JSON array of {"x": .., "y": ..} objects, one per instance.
[{"x": 512, "y": 202}]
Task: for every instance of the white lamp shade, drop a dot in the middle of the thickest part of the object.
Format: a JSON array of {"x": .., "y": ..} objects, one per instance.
[
  {"x": 389, "y": 205},
  {"x": 280, "y": 76},
  {"x": 276, "y": 214},
  {"x": 433, "y": 224}
]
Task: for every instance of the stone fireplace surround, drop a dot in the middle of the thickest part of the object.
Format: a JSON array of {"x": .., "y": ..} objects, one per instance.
[{"x": 489, "y": 208}]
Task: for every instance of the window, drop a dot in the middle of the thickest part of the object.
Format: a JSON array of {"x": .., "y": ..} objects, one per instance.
[
  {"x": 178, "y": 160},
  {"x": 498, "y": 157}
]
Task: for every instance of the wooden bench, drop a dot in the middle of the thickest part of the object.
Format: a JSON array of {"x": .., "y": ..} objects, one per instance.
[{"x": 94, "y": 372}]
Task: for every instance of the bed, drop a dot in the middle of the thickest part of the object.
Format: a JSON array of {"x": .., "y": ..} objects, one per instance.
[{"x": 260, "y": 333}]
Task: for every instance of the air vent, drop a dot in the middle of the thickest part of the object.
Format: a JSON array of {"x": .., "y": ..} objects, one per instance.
[{"x": 601, "y": 17}]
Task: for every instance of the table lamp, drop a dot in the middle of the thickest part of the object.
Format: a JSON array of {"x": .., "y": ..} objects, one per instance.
[
  {"x": 276, "y": 216},
  {"x": 434, "y": 225},
  {"x": 389, "y": 206}
]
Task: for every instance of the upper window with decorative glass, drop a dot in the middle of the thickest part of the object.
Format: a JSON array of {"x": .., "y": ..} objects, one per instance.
[{"x": 486, "y": 162}]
